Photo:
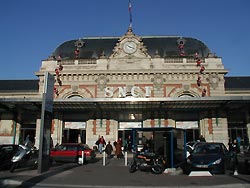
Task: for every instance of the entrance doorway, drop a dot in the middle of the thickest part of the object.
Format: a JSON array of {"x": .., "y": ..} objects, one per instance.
[
  {"x": 27, "y": 130},
  {"x": 74, "y": 136},
  {"x": 192, "y": 129},
  {"x": 74, "y": 132},
  {"x": 192, "y": 135},
  {"x": 126, "y": 135}
]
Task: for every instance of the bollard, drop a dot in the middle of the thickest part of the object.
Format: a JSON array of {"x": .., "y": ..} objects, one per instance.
[
  {"x": 103, "y": 159},
  {"x": 126, "y": 158},
  {"x": 82, "y": 157}
]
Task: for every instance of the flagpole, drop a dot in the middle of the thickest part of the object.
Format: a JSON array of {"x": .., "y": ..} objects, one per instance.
[{"x": 130, "y": 13}]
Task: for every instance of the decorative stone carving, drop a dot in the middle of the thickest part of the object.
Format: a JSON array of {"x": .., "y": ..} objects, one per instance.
[
  {"x": 158, "y": 81},
  {"x": 79, "y": 43},
  {"x": 74, "y": 89},
  {"x": 102, "y": 81},
  {"x": 186, "y": 87},
  {"x": 157, "y": 54},
  {"x": 129, "y": 46},
  {"x": 213, "y": 81}
]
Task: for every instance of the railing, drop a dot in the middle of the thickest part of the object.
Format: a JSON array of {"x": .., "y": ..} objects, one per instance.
[
  {"x": 78, "y": 61},
  {"x": 182, "y": 60}
]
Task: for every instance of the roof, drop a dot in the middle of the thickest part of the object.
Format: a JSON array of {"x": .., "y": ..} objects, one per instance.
[
  {"x": 237, "y": 83},
  {"x": 19, "y": 85},
  {"x": 167, "y": 46}
]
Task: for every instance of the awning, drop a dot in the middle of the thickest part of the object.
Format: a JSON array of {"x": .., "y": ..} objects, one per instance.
[{"x": 112, "y": 107}]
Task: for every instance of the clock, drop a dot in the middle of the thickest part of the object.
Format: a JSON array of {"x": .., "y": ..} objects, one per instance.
[{"x": 130, "y": 47}]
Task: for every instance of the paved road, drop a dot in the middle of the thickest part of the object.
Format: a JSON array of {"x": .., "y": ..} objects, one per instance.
[{"x": 114, "y": 175}]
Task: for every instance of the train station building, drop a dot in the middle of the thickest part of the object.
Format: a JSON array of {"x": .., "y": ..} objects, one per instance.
[{"x": 108, "y": 86}]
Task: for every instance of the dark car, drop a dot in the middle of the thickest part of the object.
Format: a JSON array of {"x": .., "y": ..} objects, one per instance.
[
  {"x": 212, "y": 157},
  {"x": 7, "y": 151},
  {"x": 72, "y": 152}
]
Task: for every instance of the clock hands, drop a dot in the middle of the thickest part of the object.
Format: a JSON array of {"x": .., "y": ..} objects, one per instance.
[{"x": 129, "y": 46}]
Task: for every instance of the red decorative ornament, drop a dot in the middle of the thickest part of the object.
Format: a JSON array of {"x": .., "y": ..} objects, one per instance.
[
  {"x": 202, "y": 69},
  {"x": 60, "y": 67},
  {"x": 198, "y": 62},
  {"x": 56, "y": 91},
  {"x": 204, "y": 92},
  {"x": 77, "y": 53},
  {"x": 57, "y": 71},
  {"x": 181, "y": 46},
  {"x": 199, "y": 81}
]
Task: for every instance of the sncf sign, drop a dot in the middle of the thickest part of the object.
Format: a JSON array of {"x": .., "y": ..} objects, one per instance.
[{"x": 134, "y": 91}]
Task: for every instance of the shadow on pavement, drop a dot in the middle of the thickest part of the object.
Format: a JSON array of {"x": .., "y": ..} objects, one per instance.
[{"x": 34, "y": 180}]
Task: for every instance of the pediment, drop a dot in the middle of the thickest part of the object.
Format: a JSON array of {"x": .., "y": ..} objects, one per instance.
[{"x": 129, "y": 46}]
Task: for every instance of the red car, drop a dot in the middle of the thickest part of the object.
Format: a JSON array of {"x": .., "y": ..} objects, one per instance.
[{"x": 72, "y": 152}]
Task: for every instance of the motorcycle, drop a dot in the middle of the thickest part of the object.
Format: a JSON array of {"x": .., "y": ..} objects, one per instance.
[
  {"x": 25, "y": 156},
  {"x": 147, "y": 161}
]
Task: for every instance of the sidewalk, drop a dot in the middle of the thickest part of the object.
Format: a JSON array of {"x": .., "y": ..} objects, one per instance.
[{"x": 113, "y": 174}]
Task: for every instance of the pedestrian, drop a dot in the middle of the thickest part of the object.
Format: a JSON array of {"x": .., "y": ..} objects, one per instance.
[
  {"x": 109, "y": 150},
  {"x": 234, "y": 149},
  {"x": 202, "y": 139},
  {"x": 150, "y": 144},
  {"x": 101, "y": 144},
  {"x": 129, "y": 143},
  {"x": 118, "y": 150},
  {"x": 238, "y": 139}
]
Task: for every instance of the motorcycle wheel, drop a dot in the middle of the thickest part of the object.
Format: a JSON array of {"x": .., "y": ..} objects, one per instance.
[
  {"x": 157, "y": 168},
  {"x": 13, "y": 167},
  {"x": 132, "y": 166}
]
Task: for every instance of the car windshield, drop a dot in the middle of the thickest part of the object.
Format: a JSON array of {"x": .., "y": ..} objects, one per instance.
[{"x": 207, "y": 149}]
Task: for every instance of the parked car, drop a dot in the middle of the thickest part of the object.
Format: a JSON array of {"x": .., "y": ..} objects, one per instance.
[
  {"x": 72, "y": 152},
  {"x": 7, "y": 151},
  {"x": 212, "y": 157}
]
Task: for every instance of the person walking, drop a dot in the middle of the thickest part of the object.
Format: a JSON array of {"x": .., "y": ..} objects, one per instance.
[
  {"x": 234, "y": 149},
  {"x": 109, "y": 150},
  {"x": 118, "y": 150},
  {"x": 102, "y": 143}
]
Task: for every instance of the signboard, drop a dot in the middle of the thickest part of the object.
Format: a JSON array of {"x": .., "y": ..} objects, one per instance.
[
  {"x": 187, "y": 124},
  {"x": 46, "y": 121},
  {"x": 75, "y": 125},
  {"x": 129, "y": 125}
]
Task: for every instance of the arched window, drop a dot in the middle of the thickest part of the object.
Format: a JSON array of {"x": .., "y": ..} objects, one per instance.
[
  {"x": 186, "y": 95},
  {"x": 75, "y": 97}
]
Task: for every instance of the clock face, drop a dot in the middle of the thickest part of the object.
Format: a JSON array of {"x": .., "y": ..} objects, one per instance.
[{"x": 129, "y": 47}]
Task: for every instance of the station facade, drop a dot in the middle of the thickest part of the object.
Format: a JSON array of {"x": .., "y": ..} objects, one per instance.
[{"x": 106, "y": 86}]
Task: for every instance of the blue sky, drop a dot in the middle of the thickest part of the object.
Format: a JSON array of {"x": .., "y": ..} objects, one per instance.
[{"x": 31, "y": 30}]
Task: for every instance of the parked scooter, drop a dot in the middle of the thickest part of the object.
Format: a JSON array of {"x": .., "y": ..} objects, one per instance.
[
  {"x": 147, "y": 161},
  {"x": 26, "y": 156}
]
